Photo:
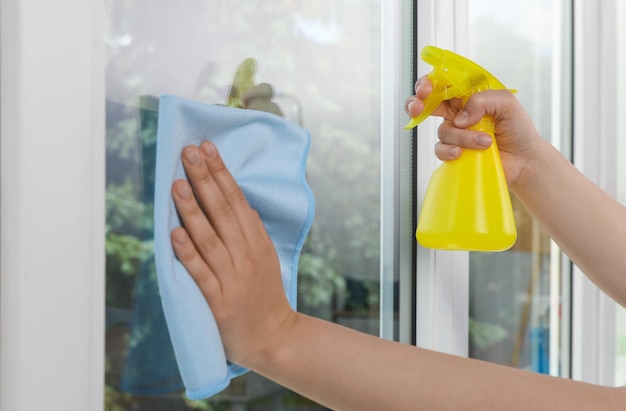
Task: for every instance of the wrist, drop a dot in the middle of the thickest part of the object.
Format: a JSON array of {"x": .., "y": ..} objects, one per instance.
[
  {"x": 532, "y": 165},
  {"x": 275, "y": 344}
]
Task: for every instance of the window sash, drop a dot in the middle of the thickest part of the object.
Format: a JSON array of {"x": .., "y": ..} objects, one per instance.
[
  {"x": 595, "y": 133},
  {"x": 52, "y": 205}
]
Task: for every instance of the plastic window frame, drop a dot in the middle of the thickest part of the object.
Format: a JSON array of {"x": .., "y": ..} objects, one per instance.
[
  {"x": 595, "y": 133},
  {"x": 397, "y": 172},
  {"x": 442, "y": 277},
  {"x": 52, "y": 205}
]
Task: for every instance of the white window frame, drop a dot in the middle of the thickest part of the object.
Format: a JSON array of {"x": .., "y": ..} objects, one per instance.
[
  {"x": 52, "y": 205},
  {"x": 442, "y": 277},
  {"x": 595, "y": 139},
  {"x": 397, "y": 177}
]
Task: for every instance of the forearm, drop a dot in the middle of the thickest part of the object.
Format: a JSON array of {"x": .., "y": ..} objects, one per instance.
[
  {"x": 227, "y": 251},
  {"x": 588, "y": 225},
  {"x": 347, "y": 370}
]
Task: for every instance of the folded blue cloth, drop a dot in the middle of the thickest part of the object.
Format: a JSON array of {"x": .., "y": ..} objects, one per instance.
[{"x": 267, "y": 155}]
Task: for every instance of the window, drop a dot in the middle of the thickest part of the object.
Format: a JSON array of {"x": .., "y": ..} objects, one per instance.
[
  {"x": 52, "y": 283},
  {"x": 323, "y": 60},
  {"x": 516, "y": 310}
]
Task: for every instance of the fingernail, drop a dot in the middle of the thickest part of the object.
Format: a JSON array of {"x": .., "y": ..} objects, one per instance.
[
  {"x": 192, "y": 155},
  {"x": 183, "y": 191},
  {"x": 417, "y": 86},
  {"x": 462, "y": 118},
  {"x": 408, "y": 108},
  {"x": 483, "y": 140},
  {"x": 454, "y": 152},
  {"x": 209, "y": 149}
]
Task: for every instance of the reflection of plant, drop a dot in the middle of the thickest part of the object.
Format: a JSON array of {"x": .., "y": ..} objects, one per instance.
[
  {"x": 129, "y": 244},
  {"x": 483, "y": 335},
  {"x": 198, "y": 405},
  {"x": 344, "y": 172},
  {"x": 115, "y": 400},
  {"x": 373, "y": 295},
  {"x": 125, "y": 251},
  {"x": 124, "y": 256},
  {"x": 317, "y": 281}
]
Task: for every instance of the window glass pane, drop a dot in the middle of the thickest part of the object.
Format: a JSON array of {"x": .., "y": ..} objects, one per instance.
[
  {"x": 514, "y": 305},
  {"x": 323, "y": 60},
  {"x": 620, "y": 366}
]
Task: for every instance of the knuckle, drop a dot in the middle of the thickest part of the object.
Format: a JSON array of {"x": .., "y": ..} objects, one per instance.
[
  {"x": 210, "y": 244},
  {"x": 441, "y": 151},
  {"x": 184, "y": 252},
  {"x": 245, "y": 265},
  {"x": 205, "y": 280},
  {"x": 235, "y": 194},
  {"x": 224, "y": 315},
  {"x": 221, "y": 209},
  {"x": 218, "y": 166},
  {"x": 202, "y": 177},
  {"x": 444, "y": 131}
]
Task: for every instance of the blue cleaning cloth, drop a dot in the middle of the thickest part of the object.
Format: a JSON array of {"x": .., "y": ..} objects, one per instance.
[{"x": 267, "y": 155}]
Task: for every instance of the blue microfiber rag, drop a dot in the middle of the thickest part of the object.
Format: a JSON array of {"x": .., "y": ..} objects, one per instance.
[{"x": 267, "y": 155}]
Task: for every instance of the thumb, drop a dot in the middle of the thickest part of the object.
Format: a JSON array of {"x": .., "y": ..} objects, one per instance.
[
  {"x": 472, "y": 112},
  {"x": 491, "y": 102},
  {"x": 462, "y": 119}
]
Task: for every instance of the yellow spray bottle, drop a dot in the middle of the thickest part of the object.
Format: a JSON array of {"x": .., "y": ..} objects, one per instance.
[{"x": 467, "y": 205}]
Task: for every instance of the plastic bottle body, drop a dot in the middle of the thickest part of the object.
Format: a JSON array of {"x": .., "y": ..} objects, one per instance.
[{"x": 467, "y": 205}]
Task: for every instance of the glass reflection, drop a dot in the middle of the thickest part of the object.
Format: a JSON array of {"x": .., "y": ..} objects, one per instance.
[
  {"x": 511, "y": 318},
  {"x": 323, "y": 61}
]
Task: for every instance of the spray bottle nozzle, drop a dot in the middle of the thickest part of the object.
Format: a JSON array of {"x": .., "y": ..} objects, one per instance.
[{"x": 453, "y": 76}]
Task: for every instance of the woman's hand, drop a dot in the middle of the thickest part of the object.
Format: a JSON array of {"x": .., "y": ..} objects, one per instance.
[
  {"x": 516, "y": 135},
  {"x": 226, "y": 249}
]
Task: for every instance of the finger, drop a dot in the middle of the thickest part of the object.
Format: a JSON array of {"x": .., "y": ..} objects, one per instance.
[
  {"x": 212, "y": 200},
  {"x": 447, "y": 152},
  {"x": 449, "y": 109},
  {"x": 413, "y": 106},
  {"x": 188, "y": 255},
  {"x": 229, "y": 187},
  {"x": 204, "y": 237},
  {"x": 491, "y": 102},
  {"x": 258, "y": 233},
  {"x": 465, "y": 138},
  {"x": 423, "y": 87}
]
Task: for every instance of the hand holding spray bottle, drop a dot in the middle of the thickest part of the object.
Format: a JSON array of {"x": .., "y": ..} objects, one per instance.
[{"x": 467, "y": 205}]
